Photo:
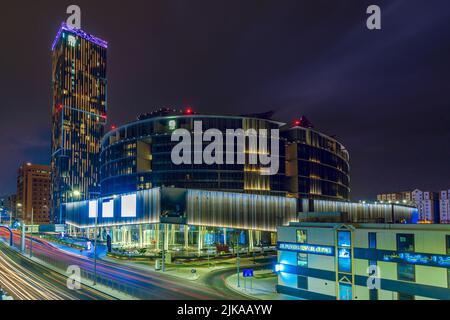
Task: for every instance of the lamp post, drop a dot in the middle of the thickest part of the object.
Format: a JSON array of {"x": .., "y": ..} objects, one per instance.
[
  {"x": 163, "y": 255},
  {"x": 95, "y": 248},
  {"x": 237, "y": 259},
  {"x": 18, "y": 206}
]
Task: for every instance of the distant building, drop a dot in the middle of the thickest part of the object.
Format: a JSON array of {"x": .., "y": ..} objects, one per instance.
[
  {"x": 8, "y": 204},
  {"x": 428, "y": 205},
  {"x": 444, "y": 206},
  {"x": 33, "y": 193},
  {"x": 331, "y": 261},
  {"x": 427, "y": 202},
  {"x": 78, "y": 116},
  {"x": 404, "y": 197}
]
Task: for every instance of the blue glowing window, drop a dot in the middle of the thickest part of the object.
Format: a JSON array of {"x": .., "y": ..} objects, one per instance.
[
  {"x": 372, "y": 240},
  {"x": 344, "y": 260},
  {"x": 345, "y": 292},
  {"x": 344, "y": 239},
  {"x": 302, "y": 260}
]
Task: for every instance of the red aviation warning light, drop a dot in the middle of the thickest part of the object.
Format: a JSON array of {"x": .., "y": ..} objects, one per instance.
[{"x": 188, "y": 111}]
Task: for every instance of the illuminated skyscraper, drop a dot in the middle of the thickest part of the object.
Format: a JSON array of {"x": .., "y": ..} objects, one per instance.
[{"x": 78, "y": 115}]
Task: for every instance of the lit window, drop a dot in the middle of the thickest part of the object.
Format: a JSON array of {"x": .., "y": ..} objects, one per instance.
[
  {"x": 72, "y": 41},
  {"x": 372, "y": 240},
  {"x": 302, "y": 260},
  {"x": 302, "y": 236},
  {"x": 344, "y": 260},
  {"x": 344, "y": 239},
  {"x": 345, "y": 291}
]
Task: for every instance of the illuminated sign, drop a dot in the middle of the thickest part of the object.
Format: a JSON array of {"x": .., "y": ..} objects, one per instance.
[
  {"x": 306, "y": 248},
  {"x": 128, "y": 206},
  {"x": 93, "y": 209},
  {"x": 426, "y": 259},
  {"x": 418, "y": 258},
  {"x": 108, "y": 208}
]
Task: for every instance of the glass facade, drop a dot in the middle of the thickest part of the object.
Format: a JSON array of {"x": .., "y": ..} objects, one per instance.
[
  {"x": 317, "y": 165},
  {"x": 78, "y": 116},
  {"x": 137, "y": 156},
  {"x": 345, "y": 291}
]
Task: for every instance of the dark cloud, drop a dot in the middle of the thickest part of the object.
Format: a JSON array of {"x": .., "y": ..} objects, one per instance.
[{"x": 383, "y": 93}]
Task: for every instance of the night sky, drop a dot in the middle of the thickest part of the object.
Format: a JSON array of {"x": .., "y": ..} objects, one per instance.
[{"x": 384, "y": 94}]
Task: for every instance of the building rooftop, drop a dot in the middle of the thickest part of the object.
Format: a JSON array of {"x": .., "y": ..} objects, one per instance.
[
  {"x": 80, "y": 33},
  {"x": 383, "y": 226}
]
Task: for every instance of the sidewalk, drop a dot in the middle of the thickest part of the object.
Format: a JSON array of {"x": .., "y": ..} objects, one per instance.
[
  {"x": 261, "y": 286},
  {"x": 189, "y": 271},
  {"x": 99, "y": 287}
]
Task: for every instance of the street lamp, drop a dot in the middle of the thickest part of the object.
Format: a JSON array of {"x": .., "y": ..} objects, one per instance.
[
  {"x": 95, "y": 247},
  {"x": 76, "y": 193},
  {"x": 237, "y": 258}
]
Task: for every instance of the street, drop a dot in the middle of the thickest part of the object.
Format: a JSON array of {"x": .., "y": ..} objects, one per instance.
[{"x": 26, "y": 279}]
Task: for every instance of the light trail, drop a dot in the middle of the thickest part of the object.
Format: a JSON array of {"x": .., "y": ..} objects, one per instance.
[{"x": 135, "y": 281}]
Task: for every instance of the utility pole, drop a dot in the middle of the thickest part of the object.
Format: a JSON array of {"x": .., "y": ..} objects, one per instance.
[
  {"x": 22, "y": 244},
  {"x": 95, "y": 248},
  {"x": 163, "y": 263},
  {"x": 32, "y": 229}
]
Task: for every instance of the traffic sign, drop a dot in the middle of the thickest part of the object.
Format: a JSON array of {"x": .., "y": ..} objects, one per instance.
[{"x": 247, "y": 273}]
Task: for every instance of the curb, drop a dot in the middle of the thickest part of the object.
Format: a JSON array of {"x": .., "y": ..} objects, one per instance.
[{"x": 240, "y": 292}]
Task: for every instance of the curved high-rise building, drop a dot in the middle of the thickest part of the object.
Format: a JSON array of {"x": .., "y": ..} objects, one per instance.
[
  {"x": 317, "y": 165},
  {"x": 137, "y": 156}
]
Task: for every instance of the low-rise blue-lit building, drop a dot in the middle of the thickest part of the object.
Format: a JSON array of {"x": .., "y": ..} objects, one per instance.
[{"x": 349, "y": 261}]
